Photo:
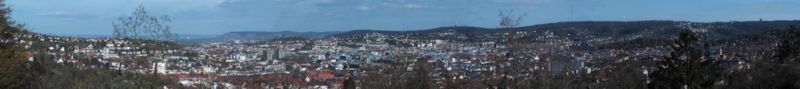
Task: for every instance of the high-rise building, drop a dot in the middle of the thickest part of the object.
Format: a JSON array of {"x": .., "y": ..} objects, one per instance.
[
  {"x": 270, "y": 55},
  {"x": 276, "y": 54}
]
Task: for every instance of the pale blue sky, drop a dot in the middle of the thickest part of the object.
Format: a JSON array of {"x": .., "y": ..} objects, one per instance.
[{"x": 220, "y": 16}]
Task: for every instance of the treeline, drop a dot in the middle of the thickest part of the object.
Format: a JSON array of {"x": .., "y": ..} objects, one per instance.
[
  {"x": 637, "y": 43},
  {"x": 50, "y": 75},
  {"x": 14, "y": 71}
]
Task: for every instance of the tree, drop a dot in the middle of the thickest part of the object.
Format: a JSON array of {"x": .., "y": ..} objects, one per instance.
[
  {"x": 780, "y": 73},
  {"x": 624, "y": 75},
  {"x": 421, "y": 78},
  {"x": 684, "y": 67},
  {"x": 509, "y": 20},
  {"x": 349, "y": 84},
  {"x": 789, "y": 48},
  {"x": 14, "y": 69},
  {"x": 142, "y": 26}
]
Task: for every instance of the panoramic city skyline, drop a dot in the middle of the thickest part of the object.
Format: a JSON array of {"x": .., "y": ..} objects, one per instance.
[{"x": 399, "y": 44}]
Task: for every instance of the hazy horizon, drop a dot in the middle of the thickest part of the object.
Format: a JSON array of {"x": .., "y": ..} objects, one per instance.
[{"x": 213, "y": 17}]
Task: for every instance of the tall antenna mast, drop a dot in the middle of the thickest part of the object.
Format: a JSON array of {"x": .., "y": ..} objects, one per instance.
[{"x": 572, "y": 12}]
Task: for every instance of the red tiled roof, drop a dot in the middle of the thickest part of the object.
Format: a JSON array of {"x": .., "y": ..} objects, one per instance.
[{"x": 325, "y": 75}]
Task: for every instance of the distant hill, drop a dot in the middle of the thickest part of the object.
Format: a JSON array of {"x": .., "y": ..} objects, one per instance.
[
  {"x": 459, "y": 29},
  {"x": 257, "y": 35},
  {"x": 611, "y": 31},
  {"x": 592, "y": 32},
  {"x": 252, "y": 35},
  {"x": 455, "y": 33},
  {"x": 662, "y": 28}
]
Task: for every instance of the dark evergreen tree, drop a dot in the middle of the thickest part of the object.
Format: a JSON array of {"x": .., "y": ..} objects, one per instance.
[
  {"x": 421, "y": 78},
  {"x": 684, "y": 67},
  {"x": 349, "y": 84},
  {"x": 789, "y": 49},
  {"x": 14, "y": 68}
]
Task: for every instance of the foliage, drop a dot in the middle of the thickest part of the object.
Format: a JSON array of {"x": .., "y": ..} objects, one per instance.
[
  {"x": 636, "y": 43},
  {"x": 508, "y": 20},
  {"x": 788, "y": 50},
  {"x": 17, "y": 72},
  {"x": 685, "y": 66},
  {"x": 14, "y": 68},
  {"x": 142, "y": 26},
  {"x": 50, "y": 75},
  {"x": 782, "y": 72},
  {"x": 349, "y": 84},
  {"x": 421, "y": 78},
  {"x": 624, "y": 75}
]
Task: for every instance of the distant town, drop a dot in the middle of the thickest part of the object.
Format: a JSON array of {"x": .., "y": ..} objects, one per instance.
[
  {"x": 450, "y": 55},
  {"x": 356, "y": 44}
]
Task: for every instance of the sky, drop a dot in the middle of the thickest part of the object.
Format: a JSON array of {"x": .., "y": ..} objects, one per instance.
[{"x": 209, "y": 17}]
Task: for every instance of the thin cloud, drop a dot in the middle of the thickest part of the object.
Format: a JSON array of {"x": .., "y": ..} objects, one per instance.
[
  {"x": 403, "y": 5},
  {"x": 523, "y": 1},
  {"x": 363, "y": 8},
  {"x": 55, "y": 13},
  {"x": 177, "y": 6},
  {"x": 66, "y": 14}
]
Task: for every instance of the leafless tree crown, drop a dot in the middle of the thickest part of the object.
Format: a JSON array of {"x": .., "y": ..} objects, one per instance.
[
  {"x": 142, "y": 26},
  {"x": 509, "y": 20}
]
